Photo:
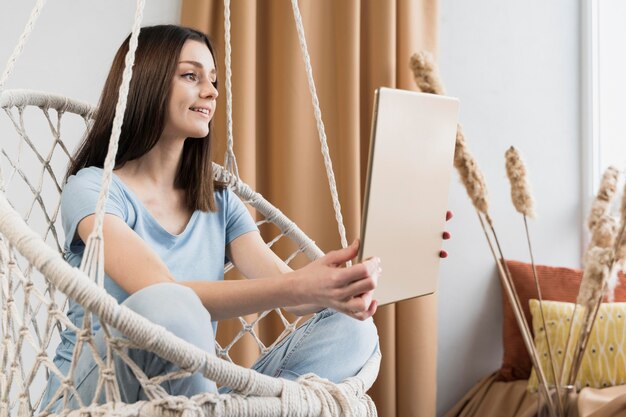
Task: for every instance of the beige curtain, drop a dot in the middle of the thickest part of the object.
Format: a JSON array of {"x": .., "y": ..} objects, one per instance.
[{"x": 355, "y": 46}]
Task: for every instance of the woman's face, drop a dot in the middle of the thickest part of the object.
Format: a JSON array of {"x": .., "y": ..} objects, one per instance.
[{"x": 193, "y": 95}]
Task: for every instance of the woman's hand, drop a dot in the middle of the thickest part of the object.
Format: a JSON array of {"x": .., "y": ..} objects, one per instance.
[
  {"x": 446, "y": 235},
  {"x": 348, "y": 290}
]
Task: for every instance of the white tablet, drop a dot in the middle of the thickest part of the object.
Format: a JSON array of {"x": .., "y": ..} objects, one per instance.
[{"x": 406, "y": 193}]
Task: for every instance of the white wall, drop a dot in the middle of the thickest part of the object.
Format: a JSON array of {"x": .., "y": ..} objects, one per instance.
[
  {"x": 515, "y": 67},
  {"x": 73, "y": 43}
]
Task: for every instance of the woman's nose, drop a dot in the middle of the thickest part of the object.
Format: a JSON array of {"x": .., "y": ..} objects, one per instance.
[{"x": 209, "y": 90}]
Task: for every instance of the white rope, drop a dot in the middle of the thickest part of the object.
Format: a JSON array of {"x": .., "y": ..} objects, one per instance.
[
  {"x": 271, "y": 213},
  {"x": 34, "y": 14},
  {"x": 21, "y": 98},
  {"x": 230, "y": 162},
  {"x": 320, "y": 124},
  {"x": 93, "y": 260}
]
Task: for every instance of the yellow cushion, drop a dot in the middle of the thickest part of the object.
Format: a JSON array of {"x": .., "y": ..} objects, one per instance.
[{"x": 604, "y": 362}]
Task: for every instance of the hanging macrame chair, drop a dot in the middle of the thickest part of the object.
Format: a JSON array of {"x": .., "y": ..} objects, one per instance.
[{"x": 36, "y": 282}]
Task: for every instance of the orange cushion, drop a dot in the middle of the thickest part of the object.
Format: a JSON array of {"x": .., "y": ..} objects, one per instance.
[{"x": 557, "y": 284}]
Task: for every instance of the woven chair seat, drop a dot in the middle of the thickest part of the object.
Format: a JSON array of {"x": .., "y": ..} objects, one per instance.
[{"x": 36, "y": 283}]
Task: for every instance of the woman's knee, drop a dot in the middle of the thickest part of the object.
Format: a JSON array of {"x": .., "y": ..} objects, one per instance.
[
  {"x": 353, "y": 341},
  {"x": 359, "y": 337},
  {"x": 173, "y": 306}
]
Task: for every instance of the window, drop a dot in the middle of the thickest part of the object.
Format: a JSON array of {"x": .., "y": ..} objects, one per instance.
[{"x": 604, "y": 89}]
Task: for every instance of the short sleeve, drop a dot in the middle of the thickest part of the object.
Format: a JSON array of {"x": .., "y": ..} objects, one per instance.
[
  {"x": 238, "y": 219},
  {"x": 79, "y": 199}
]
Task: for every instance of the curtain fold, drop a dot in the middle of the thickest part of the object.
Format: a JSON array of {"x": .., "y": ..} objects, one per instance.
[{"x": 355, "y": 46}]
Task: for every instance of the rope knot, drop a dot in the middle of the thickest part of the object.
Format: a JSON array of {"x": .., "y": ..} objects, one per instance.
[
  {"x": 83, "y": 335},
  {"x": 180, "y": 403},
  {"x": 153, "y": 390},
  {"x": 108, "y": 373},
  {"x": 117, "y": 344}
]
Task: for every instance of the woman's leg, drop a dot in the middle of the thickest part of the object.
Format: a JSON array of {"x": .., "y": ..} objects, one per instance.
[
  {"x": 330, "y": 345},
  {"x": 179, "y": 310}
]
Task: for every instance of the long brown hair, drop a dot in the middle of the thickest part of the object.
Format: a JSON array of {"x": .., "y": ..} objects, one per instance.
[{"x": 156, "y": 61}]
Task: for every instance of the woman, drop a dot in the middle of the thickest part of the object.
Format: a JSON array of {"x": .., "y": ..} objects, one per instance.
[{"x": 169, "y": 228}]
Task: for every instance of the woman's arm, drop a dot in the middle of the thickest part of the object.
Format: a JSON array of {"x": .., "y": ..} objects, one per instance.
[
  {"x": 133, "y": 265},
  {"x": 254, "y": 259}
]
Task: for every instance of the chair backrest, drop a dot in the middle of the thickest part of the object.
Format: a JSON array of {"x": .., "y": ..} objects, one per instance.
[{"x": 39, "y": 136}]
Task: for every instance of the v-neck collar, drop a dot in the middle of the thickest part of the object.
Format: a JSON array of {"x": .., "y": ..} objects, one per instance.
[{"x": 149, "y": 215}]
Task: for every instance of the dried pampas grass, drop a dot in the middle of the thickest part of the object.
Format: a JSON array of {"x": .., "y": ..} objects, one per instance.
[
  {"x": 599, "y": 275},
  {"x": 612, "y": 283},
  {"x": 602, "y": 203},
  {"x": 471, "y": 176},
  {"x": 428, "y": 81},
  {"x": 606, "y": 246},
  {"x": 603, "y": 235},
  {"x": 425, "y": 73},
  {"x": 620, "y": 255},
  {"x": 520, "y": 190},
  {"x": 523, "y": 203},
  {"x": 594, "y": 276}
]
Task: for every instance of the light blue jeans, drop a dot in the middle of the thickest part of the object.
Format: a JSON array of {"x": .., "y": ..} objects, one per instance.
[{"x": 330, "y": 344}]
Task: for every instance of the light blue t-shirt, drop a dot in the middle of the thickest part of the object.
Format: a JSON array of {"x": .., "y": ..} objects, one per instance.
[{"x": 197, "y": 254}]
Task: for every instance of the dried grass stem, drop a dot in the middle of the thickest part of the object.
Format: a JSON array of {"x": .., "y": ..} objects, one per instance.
[
  {"x": 511, "y": 293},
  {"x": 520, "y": 189}
]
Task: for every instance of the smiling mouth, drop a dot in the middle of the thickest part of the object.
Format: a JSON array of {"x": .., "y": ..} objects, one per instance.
[{"x": 200, "y": 110}]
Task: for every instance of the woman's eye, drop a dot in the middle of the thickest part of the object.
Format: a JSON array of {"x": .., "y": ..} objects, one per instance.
[{"x": 190, "y": 76}]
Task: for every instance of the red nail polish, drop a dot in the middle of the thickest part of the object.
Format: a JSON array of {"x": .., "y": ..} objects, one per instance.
[{"x": 443, "y": 254}]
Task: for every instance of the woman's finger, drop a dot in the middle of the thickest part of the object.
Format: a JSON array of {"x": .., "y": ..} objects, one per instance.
[
  {"x": 372, "y": 310},
  {"x": 366, "y": 314},
  {"x": 360, "y": 304},
  {"x": 368, "y": 297},
  {"x": 341, "y": 256},
  {"x": 359, "y": 271},
  {"x": 363, "y": 285}
]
